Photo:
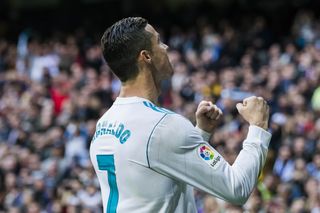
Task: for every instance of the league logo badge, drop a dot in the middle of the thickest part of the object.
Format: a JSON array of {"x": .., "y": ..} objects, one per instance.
[{"x": 207, "y": 154}]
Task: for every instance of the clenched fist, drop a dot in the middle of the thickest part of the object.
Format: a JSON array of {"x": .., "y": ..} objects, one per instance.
[
  {"x": 255, "y": 110},
  {"x": 207, "y": 116}
]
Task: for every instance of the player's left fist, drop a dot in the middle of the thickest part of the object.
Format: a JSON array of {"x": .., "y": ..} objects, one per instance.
[{"x": 207, "y": 116}]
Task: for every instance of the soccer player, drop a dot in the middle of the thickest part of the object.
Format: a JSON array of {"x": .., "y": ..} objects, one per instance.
[{"x": 147, "y": 158}]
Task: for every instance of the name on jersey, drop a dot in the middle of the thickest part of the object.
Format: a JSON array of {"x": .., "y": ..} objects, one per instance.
[{"x": 112, "y": 128}]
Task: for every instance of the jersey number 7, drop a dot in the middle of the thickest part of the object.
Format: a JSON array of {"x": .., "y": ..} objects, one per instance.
[{"x": 106, "y": 163}]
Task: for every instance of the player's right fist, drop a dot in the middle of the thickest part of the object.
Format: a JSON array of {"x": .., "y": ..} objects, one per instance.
[{"x": 255, "y": 110}]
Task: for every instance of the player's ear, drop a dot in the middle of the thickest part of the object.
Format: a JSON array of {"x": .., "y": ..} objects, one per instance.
[{"x": 145, "y": 56}]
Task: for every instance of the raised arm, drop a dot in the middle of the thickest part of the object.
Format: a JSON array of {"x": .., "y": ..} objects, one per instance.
[{"x": 177, "y": 150}]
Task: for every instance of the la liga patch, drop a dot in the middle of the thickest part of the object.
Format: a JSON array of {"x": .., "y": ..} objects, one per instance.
[{"x": 208, "y": 155}]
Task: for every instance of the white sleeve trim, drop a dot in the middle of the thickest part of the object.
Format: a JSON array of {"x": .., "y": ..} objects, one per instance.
[
  {"x": 258, "y": 135},
  {"x": 205, "y": 135}
]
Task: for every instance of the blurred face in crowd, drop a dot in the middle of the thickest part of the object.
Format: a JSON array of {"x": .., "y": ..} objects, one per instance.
[
  {"x": 316, "y": 160},
  {"x": 299, "y": 145},
  {"x": 33, "y": 208},
  {"x": 284, "y": 153},
  {"x": 311, "y": 187},
  {"x": 14, "y": 210}
]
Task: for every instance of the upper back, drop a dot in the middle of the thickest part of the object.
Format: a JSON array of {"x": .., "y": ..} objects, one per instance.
[{"x": 123, "y": 133}]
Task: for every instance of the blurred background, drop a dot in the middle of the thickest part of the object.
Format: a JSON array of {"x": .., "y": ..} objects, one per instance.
[{"x": 54, "y": 86}]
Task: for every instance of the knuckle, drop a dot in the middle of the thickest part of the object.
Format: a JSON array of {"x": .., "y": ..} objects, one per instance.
[{"x": 202, "y": 103}]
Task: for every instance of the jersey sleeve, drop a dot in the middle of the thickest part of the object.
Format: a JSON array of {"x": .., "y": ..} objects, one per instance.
[
  {"x": 176, "y": 149},
  {"x": 205, "y": 135}
]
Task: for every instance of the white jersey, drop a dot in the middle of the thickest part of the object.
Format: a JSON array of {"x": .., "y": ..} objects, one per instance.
[{"x": 148, "y": 159}]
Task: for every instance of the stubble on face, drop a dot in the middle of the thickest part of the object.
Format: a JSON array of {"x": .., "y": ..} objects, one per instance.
[{"x": 160, "y": 57}]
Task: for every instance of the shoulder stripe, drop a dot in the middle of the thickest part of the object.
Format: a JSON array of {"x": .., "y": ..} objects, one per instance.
[
  {"x": 155, "y": 108},
  {"x": 167, "y": 111},
  {"x": 147, "y": 149},
  {"x": 151, "y": 106}
]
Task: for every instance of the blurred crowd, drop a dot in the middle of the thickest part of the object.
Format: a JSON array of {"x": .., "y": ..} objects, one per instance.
[{"x": 53, "y": 90}]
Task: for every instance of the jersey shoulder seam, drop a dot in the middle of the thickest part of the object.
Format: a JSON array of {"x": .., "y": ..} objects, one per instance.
[{"x": 147, "y": 148}]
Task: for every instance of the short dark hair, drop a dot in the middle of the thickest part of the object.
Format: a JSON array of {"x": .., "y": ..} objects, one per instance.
[{"x": 121, "y": 44}]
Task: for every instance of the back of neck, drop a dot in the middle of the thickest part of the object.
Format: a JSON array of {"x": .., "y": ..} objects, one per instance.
[{"x": 142, "y": 86}]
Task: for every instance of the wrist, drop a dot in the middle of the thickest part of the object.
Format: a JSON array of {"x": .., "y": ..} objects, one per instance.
[
  {"x": 205, "y": 129},
  {"x": 263, "y": 125},
  {"x": 205, "y": 134}
]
